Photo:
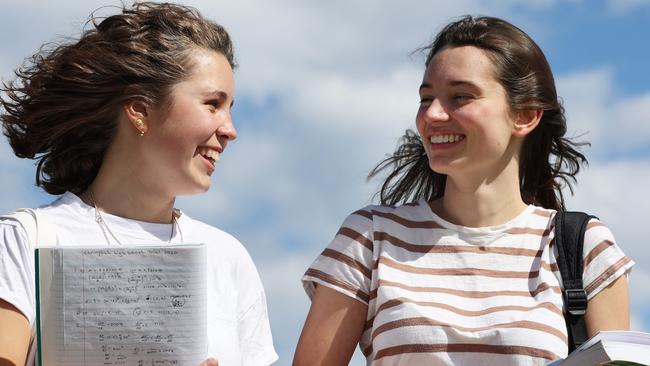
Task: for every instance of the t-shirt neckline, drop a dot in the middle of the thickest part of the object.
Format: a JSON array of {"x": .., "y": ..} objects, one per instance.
[
  {"x": 126, "y": 226},
  {"x": 477, "y": 230}
]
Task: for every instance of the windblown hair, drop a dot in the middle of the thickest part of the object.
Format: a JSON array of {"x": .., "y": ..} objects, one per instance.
[
  {"x": 62, "y": 108},
  {"x": 548, "y": 160}
]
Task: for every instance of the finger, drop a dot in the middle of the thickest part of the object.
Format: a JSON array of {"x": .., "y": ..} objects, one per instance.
[{"x": 210, "y": 362}]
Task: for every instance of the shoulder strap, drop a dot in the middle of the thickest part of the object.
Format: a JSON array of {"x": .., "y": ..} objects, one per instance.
[
  {"x": 570, "y": 230},
  {"x": 39, "y": 231}
]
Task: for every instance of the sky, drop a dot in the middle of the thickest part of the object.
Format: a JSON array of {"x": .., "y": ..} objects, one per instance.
[{"x": 325, "y": 89}]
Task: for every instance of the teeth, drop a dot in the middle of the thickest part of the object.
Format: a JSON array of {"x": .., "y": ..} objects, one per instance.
[
  {"x": 213, "y": 155},
  {"x": 443, "y": 139},
  {"x": 209, "y": 153}
]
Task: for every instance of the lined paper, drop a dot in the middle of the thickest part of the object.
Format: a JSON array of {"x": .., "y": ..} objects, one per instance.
[{"x": 123, "y": 305}]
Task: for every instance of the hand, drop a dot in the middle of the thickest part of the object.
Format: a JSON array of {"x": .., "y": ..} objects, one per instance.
[{"x": 210, "y": 362}]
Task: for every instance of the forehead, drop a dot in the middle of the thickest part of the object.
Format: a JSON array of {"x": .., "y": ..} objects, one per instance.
[
  {"x": 460, "y": 63},
  {"x": 208, "y": 69}
]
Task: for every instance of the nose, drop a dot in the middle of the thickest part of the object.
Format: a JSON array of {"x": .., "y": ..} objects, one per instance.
[
  {"x": 227, "y": 131},
  {"x": 436, "y": 111}
]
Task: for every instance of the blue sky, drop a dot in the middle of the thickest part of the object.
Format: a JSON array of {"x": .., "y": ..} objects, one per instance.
[{"x": 324, "y": 89}]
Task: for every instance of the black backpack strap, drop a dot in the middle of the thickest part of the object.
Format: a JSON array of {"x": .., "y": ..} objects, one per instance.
[{"x": 569, "y": 238}]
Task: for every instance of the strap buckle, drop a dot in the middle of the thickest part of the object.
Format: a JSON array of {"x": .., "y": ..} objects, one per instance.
[{"x": 575, "y": 301}]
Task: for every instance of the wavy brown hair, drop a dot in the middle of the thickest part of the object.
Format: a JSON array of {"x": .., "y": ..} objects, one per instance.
[
  {"x": 62, "y": 108},
  {"x": 548, "y": 159}
]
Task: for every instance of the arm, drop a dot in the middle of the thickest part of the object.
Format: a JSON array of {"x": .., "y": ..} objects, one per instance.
[
  {"x": 332, "y": 330},
  {"x": 14, "y": 335},
  {"x": 609, "y": 309}
]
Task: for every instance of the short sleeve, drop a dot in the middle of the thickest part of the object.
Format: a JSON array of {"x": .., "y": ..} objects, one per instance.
[
  {"x": 347, "y": 262},
  {"x": 16, "y": 268},
  {"x": 604, "y": 261},
  {"x": 254, "y": 328}
]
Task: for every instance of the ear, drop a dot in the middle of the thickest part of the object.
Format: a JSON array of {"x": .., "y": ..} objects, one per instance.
[
  {"x": 136, "y": 113},
  {"x": 526, "y": 121}
]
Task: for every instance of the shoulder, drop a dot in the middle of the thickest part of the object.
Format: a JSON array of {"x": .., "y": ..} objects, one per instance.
[
  {"x": 66, "y": 213},
  {"x": 209, "y": 233},
  {"x": 604, "y": 259},
  {"x": 12, "y": 232},
  {"x": 24, "y": 225},
  {"x": 222, "y": 246},
  {"x": 596, "y": 230},
  {"x": 403, "y": 214},
  {"x": 599, "y": 241}
]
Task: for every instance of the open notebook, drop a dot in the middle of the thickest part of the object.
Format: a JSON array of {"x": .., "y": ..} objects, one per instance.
[
  {"x": 622, "y": 348},
  {"x": 121, "y": 305}
]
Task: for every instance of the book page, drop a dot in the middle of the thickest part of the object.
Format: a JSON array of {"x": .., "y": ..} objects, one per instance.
[
  {"x": 611, "y": 348},
  {"x": 123, "y": 306},
  {"x": 626, "y": 336}
]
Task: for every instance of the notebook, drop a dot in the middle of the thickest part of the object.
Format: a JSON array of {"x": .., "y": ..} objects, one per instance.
[
  {"x": 623, "y": 348},
  {"x": 121, "y": 305}
]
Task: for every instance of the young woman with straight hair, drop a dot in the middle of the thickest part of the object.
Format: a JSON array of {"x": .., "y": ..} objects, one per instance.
[{"x": 457, "y": 266}]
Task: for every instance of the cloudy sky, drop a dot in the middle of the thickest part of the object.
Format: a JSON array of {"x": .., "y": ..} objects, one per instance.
[{"x": 324, "y": 89}]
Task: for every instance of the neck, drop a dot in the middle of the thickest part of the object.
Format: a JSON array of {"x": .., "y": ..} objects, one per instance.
[
  {"x": 482, "y": 200},
  {"x": 124, "y": 187},
  {"x": 124, "y": 195}
]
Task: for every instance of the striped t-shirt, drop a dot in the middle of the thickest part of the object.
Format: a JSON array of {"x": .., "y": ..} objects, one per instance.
[{"x": 444, "y": 294}]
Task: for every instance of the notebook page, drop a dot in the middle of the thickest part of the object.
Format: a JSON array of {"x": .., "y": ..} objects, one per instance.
[{"x": 124, "y": 306}]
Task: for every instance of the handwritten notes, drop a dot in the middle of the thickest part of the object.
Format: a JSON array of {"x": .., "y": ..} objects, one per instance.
[{"x": 122, "y": 305}]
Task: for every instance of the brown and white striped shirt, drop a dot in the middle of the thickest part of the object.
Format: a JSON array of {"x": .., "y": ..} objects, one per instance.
[{"x": 444, "y": 294}]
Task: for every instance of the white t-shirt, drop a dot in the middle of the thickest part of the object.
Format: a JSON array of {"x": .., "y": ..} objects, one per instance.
[{"x": 238, "y": 324}]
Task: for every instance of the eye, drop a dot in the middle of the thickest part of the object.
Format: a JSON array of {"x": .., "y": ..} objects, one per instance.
[
  {"x": 214, "y": 103},
  {"x": 425, "y": 100},
  {"x": 462, "y": 97}
]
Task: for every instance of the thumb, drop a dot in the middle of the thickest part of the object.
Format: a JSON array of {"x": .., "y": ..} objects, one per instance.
[{"x": 210, "y": 362}]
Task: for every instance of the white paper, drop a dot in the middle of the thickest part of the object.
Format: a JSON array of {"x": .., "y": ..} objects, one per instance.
[
  {"x": 606, "y": 346},
  {"x": 123, "y": 306},
  {"x": 617, "y": 336}
]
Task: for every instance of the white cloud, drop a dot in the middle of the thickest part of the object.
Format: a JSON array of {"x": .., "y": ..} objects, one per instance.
[
  {"x": 617, "y": 192},
  {"x": 18, "y": 182},
  {"x": 612, "y": 123},
  {"x": 628, "y": 122},
  {"x": 582, "y": 94},
  {"x": 343, "y": 89},
  {"x": 382, "y": 106}
]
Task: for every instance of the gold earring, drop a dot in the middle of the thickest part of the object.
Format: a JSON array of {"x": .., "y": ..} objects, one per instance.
[{"x": 139, "y": 124}]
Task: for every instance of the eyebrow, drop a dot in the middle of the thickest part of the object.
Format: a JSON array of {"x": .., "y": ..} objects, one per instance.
[
  {"x": 452, "y": 83},
  {"x": 463, "y": 83},
  {"x": 219, "y": 94},
  {"x": 216, "y": 93}
]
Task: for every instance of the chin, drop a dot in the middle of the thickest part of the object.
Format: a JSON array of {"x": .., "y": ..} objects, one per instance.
[
  {"x": 439, "y": 168},
  {"x": 203, "y": 188},
  {"x": 447, "y": 166},
  {"x": 196, "y": 187}
]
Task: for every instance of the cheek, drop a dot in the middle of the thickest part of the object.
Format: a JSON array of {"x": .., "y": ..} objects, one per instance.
[
  {"x": 480, "y": 120},
  {"x": 471, "y": 114},
  {"x": 419, "y": 120}
]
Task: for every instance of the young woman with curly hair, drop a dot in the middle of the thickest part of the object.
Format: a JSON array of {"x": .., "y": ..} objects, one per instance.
[{"x": 121, "y": 122}]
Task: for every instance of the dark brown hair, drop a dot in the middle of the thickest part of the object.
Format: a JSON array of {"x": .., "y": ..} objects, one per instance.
[
  {"x": 548, "y": 160},
  {"x": 62, "y": 108}
]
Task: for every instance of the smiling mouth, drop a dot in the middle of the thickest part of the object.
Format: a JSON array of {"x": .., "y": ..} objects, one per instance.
[
  {"x": 446, "y": 139},
  {"x": 209, "y": 154},
  {"x": 212, "y": 160}
]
